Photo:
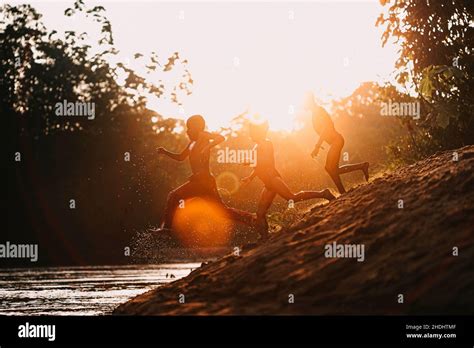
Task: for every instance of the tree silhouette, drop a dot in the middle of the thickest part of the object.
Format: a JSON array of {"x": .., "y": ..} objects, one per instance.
[{"x": 436, "y": 61}]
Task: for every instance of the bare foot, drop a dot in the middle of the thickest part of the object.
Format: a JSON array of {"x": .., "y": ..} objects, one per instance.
[
  {"x": 365, "y": 169},
  {"x": 328, "y": 195},
  {"x": 161, "y": 230}
]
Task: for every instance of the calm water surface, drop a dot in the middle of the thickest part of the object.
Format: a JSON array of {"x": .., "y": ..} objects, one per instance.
[{"x": 89, "y": 290}]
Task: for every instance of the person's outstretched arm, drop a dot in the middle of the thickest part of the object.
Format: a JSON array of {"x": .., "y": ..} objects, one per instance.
[{"x": 176, "y": 156}]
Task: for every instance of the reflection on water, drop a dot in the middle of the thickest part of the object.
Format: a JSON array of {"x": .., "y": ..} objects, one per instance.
[{"x": 90, "y": 290}]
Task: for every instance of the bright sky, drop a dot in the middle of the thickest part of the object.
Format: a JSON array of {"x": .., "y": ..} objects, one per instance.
[{"x": 256, "y": 56}]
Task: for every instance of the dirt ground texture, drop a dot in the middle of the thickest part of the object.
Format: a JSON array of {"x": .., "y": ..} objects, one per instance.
[{"x": 408, "y": 251}]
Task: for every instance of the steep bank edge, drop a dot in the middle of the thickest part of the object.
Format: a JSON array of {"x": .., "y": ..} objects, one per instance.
[{"x": 408, "y": 252}]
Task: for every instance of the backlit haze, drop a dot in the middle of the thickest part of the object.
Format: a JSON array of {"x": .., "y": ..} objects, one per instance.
[{"x": 259, "y": 57}]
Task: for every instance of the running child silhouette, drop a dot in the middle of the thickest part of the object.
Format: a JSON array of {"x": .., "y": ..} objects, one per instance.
[
  {"x": 324, "y": 126},
  {"x": 274, "y": 185},
  {"x": 201, "y": 183}
]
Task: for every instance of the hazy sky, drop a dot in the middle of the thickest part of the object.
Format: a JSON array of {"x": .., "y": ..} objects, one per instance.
[{"x": 260, "y": 56}]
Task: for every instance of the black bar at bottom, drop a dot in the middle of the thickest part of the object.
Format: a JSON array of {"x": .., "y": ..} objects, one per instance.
[{"x": 455, "y": 330}]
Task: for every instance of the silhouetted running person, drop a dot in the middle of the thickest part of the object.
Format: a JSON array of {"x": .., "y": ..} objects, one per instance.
[
  {"x": 324, "y": 126},
  {"x": 201, "y": 183},
  {"x": 274, "y": 185}
]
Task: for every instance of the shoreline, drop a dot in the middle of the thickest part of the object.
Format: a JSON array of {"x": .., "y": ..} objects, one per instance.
[{"x": 410, "y": 266}]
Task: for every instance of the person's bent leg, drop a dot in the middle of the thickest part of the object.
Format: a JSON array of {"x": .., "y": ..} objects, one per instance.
[
  {"x": 305, "y": 195},
  {"x": 280, "y": 187},
  {"x": 337, "y": 180},
  {"x": 241, "y": 216},
  {"x": 332, "y": 165},
  {"x": 266, "y": 200},
  {"x": 233, "y": 214},
  {"x": 347, "y": 168},
  {"x": 174, "y": 198}
]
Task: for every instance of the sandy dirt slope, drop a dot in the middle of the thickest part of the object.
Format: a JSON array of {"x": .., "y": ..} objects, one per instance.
[{"x": 408, "y": 251}]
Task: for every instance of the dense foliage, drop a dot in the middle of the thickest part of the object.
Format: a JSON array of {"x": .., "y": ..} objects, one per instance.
[{"x": 436, "y": 65}]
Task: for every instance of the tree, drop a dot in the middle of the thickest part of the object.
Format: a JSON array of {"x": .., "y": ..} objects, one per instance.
[
  {"x": 73, "y": 157},
  {"x": 435, "y": 64},
  {"x": 40, "y": 68}
]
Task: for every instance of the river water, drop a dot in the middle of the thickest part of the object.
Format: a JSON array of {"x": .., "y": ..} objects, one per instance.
[{"x": 88, "y": 290}]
